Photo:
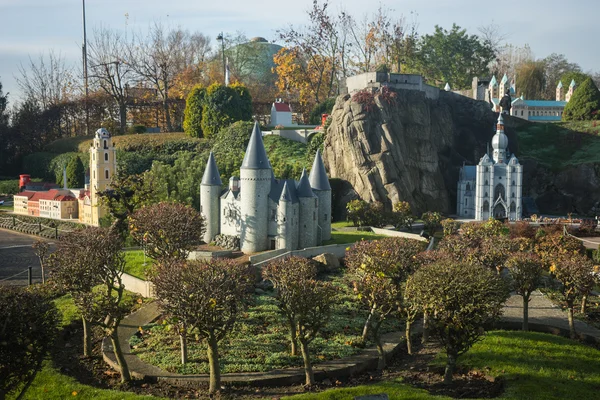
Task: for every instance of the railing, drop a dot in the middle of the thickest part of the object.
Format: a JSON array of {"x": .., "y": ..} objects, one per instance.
[{"x": 29, "y": 272}]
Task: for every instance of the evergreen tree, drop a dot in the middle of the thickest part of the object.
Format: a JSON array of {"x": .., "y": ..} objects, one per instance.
[
  {"x": 75, "y": 173},
  {"x": 223, "y": 106},
  {"x": 192, "y": 122},
  {"x": 585, "y": 103}
]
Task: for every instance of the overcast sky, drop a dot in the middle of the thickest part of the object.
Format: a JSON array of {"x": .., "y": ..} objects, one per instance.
[{"x": 31, "y": 27}]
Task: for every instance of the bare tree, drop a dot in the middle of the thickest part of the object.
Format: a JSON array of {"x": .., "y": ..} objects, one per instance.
[
  {"x": 160, "y": 56},
  {"x": 110, "y": 71},
  {"x": 48, "y": 80}
]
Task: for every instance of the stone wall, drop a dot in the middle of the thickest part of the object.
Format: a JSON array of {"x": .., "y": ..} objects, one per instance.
[
  {"x": 137, "y": 285},
  {"x": 338, "y": 250}
]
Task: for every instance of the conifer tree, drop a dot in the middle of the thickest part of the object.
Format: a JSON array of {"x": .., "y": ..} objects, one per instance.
[{"x": 585, "y": 103}]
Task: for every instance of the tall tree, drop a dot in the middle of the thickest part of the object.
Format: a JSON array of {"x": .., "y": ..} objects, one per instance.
[
  {"x": 454, "y": 57},
  {"x": 556, "y": 66},
  {"x": 584, "y": 105},
  {"x": 110, "y": 70},
  {"x": 531, "y": 79}
]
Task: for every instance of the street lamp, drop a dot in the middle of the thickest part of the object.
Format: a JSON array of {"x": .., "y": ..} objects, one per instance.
[{"x": 221, "y": 38}]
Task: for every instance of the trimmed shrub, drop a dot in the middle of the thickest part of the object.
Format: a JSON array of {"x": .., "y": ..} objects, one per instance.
[
  {"x": 192, "y": 120},
  {"x": 322, "y": 108},
  {"x": 224, "y": 105},
  {"x": 585, "y": 103}
]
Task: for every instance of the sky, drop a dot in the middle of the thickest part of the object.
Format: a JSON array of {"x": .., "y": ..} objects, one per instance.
[{"x": 29, "y": 28}]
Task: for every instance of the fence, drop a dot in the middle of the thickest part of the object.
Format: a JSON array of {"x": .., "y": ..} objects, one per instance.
[
  {"x": 33, "y": 228},
  {"x": 29, "y": 272}
]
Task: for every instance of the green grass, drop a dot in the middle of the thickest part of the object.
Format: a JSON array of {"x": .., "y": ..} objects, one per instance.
[
  {"x": 281, "y": 150},
  {"x": 259, "y": 342},
  {"x": 560, "y": 145},
  {"x": 342, "y": 237},
  {"x": 67, "y": 310},
  {"x": 534, "y": 366},
  {"x": 341, "y": 224},
  {"x": 134, "y": 263},
  {"x": 50, "y": 384}
]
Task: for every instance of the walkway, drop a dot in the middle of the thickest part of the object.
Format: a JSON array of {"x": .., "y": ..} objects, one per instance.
[{"x": 541, "y": 312}]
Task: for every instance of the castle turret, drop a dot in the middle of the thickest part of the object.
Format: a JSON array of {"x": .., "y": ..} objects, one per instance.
[
  {"x": 559, "y": 92},
  {"x": 504, "y": 86},
  {"x": 255, "y": 177},
  {"x": 103, "y": 166},
  {"x": 493, "y": 88},
  {"x": 286, "y": 219},
  {"x": 309, "y": 206},
  {"x": 320, "y": 186},
  {"x": 210, "y": 191},
  {"x": 500, "y": 142},
  {"x": 572, "y": 88}
]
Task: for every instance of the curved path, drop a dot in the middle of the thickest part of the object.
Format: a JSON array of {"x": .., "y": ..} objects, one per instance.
[{"x": 542, "y": 314}]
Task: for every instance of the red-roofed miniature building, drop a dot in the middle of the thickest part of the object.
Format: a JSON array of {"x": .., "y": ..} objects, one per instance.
[{"x": 281, "y": 113}]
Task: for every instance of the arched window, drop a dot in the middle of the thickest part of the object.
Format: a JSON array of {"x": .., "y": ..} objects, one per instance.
[
  {"x": 513, "y": 207},
  {"x": 486, "y": 170},
  {"x": 106, "y": 174},
  {"x": 513, "y": 183},
  {"x": 486, "y": 182},
  {"x": 105, "y": 156},
  {"x": 485, "y": 195},
  {"x": 513, "y": 194},
  {"x": 499, "y": 191},
  {"x": 105, "y": 145},
  {"x": 466, "y": 202},
  {"x": 486, "y": 206},
  {"x": 468, "y": 186}
]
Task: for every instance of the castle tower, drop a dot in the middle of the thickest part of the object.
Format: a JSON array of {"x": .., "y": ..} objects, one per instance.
[
  {"x": 559, "y": 92},
  {"x": 504, "y": 85},
  {"x": 285, "y": 220},
  {"x": 309, "y": 208},
  {"x": 320, "y": 186},
  {"x": 103, "y": 166},
  {"x": 210, "y": 191},
  {"x": 493, "y": 88},
  {"x": 255, "y": 177},
  {"x": 572, "y": 88},
  {"x": 499, "y": 142}
]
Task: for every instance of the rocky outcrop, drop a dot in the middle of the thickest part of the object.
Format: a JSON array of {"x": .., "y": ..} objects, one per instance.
[{"x": 407, "y": 147}]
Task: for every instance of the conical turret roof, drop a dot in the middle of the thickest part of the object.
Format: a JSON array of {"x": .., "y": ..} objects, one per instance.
[
  {"x": 560, "y": 85},
  {"x": 256, "y": 155},
  {"x": 211, "y": 175},
  {"x": 447, "y": 87},
  {"x": 318, "y": 176},
  {"x": 286, "y": 194},
  {"x": 493, "y": 81},
  {"x": 304, "y": 189},
  {"x": 504, "y": 79},
  {"x": 572, "y": 83}
]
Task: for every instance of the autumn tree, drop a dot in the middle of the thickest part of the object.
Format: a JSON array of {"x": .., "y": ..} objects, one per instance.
[
  {"x": 284, "y": 274},
  {"x": 206, "y": 298},
  {"x": 453, "y": 56},
  {"x": 378, "y": 270},
  {"x": 88, "y": 258},
  {"x": 461, "y": 299},
  {"x": 526, "y": 271},
  {"x": 431, "y": 220},
  {"x": 556, "y": 67},
  {"x": 168, "y": 230},
  {"x": 584, "y": 105},
  {"x": 309, "y": 301},
  {"x": 402, "y": 215},
  {"x": 531, "y": 79},
  {"x": 576, "y": 274}
]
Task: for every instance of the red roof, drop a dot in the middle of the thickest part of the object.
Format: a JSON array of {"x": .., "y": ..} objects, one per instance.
[
  {"x": 84, "y": 193},
  {"x": 282, "y": 107},
  {"x": 51, "y": 195},
  {"x": 27, "y": 193}
]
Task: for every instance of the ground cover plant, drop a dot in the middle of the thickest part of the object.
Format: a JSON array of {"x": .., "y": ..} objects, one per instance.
[{"x": 260, "y": 341}]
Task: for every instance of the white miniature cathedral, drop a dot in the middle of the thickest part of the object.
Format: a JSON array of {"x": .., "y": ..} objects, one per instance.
[
  {"x": 493, "y": 188},
  {"x": 265, "y": 212}
]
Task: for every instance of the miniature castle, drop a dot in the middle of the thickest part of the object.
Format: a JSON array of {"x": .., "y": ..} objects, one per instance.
[
  {"x": 265, "y": 212},
  {"x": 81, "y": 204},
  {"x": 493, "y": 188}
]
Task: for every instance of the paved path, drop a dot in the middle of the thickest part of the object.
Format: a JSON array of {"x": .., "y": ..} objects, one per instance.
[{"x": 16, "y": 255}]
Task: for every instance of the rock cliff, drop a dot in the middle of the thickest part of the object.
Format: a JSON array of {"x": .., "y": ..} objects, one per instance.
[{"x": 404, "y": 146}]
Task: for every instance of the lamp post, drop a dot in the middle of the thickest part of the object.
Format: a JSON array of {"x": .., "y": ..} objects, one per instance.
[
  {"x": 222, "y": 39},
  {"x": 85, "y": 73}
]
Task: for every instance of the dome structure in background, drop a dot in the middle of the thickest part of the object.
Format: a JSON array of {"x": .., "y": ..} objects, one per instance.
[{"x": 253, "y": 60}]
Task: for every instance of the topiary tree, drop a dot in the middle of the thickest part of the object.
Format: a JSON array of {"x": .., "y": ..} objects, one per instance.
[
  {"x": 357, "y": 211},
  {"x": 378, "y": 269},
  {"x": 431, "y": 220},
  {"x": 584, "y": 104},
  {"x": 192, "y": 117},
  {"x": 167, "y": 230},
  {"x": 309, "y": 301},
  {"x": 402, "y": 215},
  {"x": 460, "y": 299},
  {"x": 224, "y": 105},
  {"x": 28, "y": 324},
  {"x": 576, "y": 274},
  {"x": 283, "y": 274},
  {"x": 205, "y": 298},
  {"x": 526, "y": 271},
  {"x": 450, "y": 226},
  {"x": 75, "y": 173}
]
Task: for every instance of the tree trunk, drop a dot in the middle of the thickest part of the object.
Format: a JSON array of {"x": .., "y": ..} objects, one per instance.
[
  {"x": 43, "y": 274},
  {"x": 525, "y": 313},
  {"x": 293, "y": 338},
  {"x": 166, "y": 111},
  {"x": 571, "y": 321},
  {"x": 122, "y": 117},
  {"x": 367, "y": 323},
  {"x": 215, "y": 368},
  {"x": 87, "y": 339},
  {"x": 450, "y": 365},
  {"x": 184, "y": 349},
  {"x": 308, "y": 370},
  {"x": 425, "y": 328},
  {"x": 125, "y": 375},
  {"x": 408, "y": 342},
  {"x": 584, "y": 303}
]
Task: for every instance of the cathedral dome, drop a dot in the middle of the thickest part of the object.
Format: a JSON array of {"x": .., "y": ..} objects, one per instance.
[{"x": 500, "y": 141}]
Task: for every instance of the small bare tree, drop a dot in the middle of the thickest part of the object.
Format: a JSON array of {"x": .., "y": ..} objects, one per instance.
[
  {"x": 309, "y": 302},
  {"x": 206, "y": 298},
  {"x": 41, "y": 249},
  {"x": 526, "y": 271}
]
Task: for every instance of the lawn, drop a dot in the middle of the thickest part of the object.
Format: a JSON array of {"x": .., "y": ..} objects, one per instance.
[
  {"x": 136, "y": 265},
  {"x": 342, "y": 237},
  {"x": 259, "y": 342},
  {"x": 534, "y": 366}
]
